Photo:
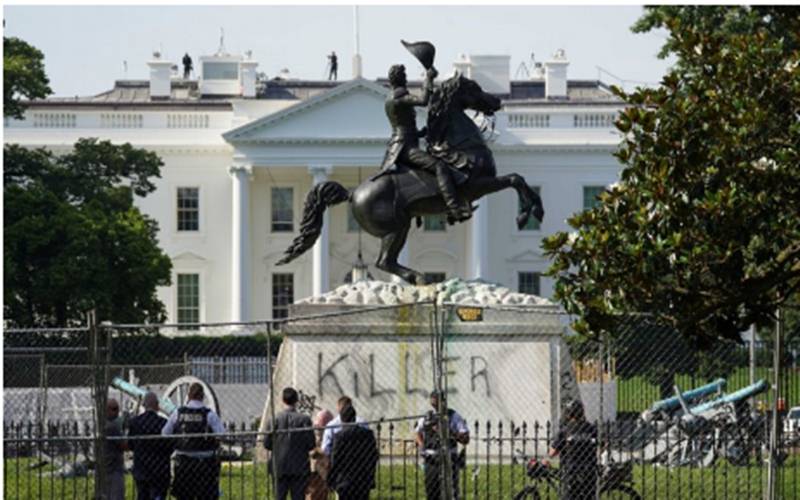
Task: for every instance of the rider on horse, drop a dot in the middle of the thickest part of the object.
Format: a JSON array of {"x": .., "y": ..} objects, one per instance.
[{"x": 404, "y": 145}]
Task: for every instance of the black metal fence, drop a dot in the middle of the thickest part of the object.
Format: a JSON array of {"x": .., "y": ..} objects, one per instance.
[
  {"x": 510, "y": 372},
  {"x": 501, "y": 460}
]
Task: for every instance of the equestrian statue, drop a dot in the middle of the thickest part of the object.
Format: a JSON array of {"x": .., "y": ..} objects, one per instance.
[{"x": 455, "y": 168}]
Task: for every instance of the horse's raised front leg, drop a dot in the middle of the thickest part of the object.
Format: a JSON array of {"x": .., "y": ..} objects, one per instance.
[
  {"x": 530, "y": 202},
  {"x": 391, "y": 246}
]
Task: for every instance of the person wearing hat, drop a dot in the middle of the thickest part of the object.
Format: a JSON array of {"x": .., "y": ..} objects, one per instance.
[
  {"x": 576, "y": 444},
  {"x": 404, "y": 144},
  {"x": 428, "y": 440}
]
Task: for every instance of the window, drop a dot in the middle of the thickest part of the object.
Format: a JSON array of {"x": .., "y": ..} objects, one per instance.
[
  {"x": 188, "y": 209},
  {"x": 188, "y": 299},
  {"x": 533, "y": 223},
  {"x": 590, "y": 194},
  {"x": 221, "y": 71},
  {"x": 434, "y": 278},
  {"x": 436, "y": 222},
  {"x": 282, "y": 209},
  {"x": 529, "y": 283},
  {"x": 282, "y": 294}
]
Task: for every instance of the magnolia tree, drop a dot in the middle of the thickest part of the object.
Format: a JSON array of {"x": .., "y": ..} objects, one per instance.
[{"x": 703, "y": 229}]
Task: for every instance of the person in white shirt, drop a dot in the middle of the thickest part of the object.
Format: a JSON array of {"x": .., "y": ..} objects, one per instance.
[{"x": 334, "y": 426}]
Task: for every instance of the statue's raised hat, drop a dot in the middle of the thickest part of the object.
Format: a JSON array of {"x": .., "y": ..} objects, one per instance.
[{"x": 425, "y": 52}]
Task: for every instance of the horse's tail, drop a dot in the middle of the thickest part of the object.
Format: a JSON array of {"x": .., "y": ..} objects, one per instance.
[{"x": 318, "y": 199}]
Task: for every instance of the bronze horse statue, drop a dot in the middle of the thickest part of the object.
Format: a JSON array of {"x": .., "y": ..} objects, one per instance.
[{"x": 384, "y": 207}]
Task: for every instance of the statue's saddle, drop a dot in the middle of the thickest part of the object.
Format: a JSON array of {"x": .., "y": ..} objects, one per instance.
[{"x": 414, "y": 184}]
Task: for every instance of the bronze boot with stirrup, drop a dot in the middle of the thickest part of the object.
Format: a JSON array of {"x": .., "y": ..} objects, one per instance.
[{"x": 456, "y": 211}]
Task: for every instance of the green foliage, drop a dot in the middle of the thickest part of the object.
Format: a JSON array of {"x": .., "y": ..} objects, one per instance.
[
  {"x": 641, "y": 347},
  {"x": 74, "y": 241},
  {"x": 703, "y": 229},
  {"x": 146, "y": 349},
  {"x": 23, "y": 76}
]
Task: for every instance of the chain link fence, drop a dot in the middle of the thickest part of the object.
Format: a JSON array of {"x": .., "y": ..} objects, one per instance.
[{"x": 522, "y": 409}]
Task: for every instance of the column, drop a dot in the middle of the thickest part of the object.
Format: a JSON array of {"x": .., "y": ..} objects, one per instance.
[
  {"x": 321, "y": 252},
  {"x": 240, "y": 242},
  {"x": 479, "y": 243}
]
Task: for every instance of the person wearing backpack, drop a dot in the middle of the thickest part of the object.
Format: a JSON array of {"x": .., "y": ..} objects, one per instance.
[
  {"x": 197, "y": 465},
  {"x": 428, "y": 440}
]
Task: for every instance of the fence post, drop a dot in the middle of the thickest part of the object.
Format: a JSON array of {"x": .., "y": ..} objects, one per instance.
[
  {"x": 752, "y": 356},
  {"x": 42, "y": 387},
  {"x": 774, "y": 450},
  {"x": 598, "y": 450},
  {"x": 274, "y": 472},
  {"x": 100, "y": 398},
  {"x": 446, "y": 469}
]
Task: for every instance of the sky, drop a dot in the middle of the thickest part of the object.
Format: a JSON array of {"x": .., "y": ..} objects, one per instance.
[{"x": 87, "y": 47}]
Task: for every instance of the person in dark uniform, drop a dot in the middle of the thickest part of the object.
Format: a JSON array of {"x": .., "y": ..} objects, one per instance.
[
  {"x": 290, "y": 460},
  {"x": 333, "y": 73},
  {"x": 187, "y": 66},
  {"x": 196, "y": 463},
  {"x": 404, "y": 143},
  {"x": 151, "y": 457},
  {"x": 429, "y": 441},
  {"x": 576, "y": 444},
  {"x": 354, "y": 457}
]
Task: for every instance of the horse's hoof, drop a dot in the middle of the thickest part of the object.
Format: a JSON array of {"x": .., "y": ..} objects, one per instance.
[{"x": 522, "y": 220}]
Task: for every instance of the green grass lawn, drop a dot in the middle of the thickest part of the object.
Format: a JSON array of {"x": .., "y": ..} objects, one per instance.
[{"x": 247, "y": 481}]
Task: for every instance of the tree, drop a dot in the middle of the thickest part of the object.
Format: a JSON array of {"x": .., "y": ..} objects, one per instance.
[
  {"x": 74, "y": 241},
  {"x": 703, "y": 229},
  {"x": 23, "y": 76},
  {"x": 642, "y": 347}
]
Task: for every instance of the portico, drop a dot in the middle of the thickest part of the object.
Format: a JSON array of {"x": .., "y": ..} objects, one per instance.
[{"x": 338, "y": 135}]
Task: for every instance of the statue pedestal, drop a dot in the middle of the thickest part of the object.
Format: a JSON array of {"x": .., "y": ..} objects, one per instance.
[{"x": 503, "y": 352}]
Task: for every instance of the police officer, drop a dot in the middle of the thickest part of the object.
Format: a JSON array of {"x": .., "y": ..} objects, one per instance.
[
  {"x": 187, "y": 66},
  {"x": 429, "y": 441},
  {"x": 333, "y": 61},
  {"x": 196, "y": 463},
  {"x": 576, "y": 443}
]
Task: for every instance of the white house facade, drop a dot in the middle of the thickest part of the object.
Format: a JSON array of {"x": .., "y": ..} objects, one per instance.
[{"x": 240, "y": 153}]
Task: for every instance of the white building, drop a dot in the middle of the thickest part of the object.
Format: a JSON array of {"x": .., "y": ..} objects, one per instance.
[{"x": 239, "y": 155}]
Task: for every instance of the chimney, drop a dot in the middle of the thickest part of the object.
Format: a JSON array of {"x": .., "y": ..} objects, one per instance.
[
  {"x": 555, "y": 80},
  {"x": 160, "y": 69},
  {"x": 463, "y": 66},
  {"x": 492, "y": 73},
  {"x": 248, "y": 74}
]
